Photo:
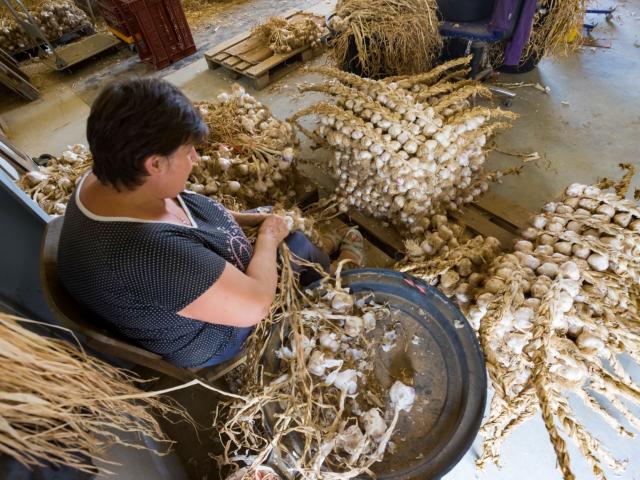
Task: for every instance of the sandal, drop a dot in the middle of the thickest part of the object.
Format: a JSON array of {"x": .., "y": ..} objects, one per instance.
[
  {"x": 353, "y": 244},
  {"x": 334, "y": 238}
]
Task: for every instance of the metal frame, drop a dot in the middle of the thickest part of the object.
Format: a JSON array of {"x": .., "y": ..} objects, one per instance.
[{"x": 32, "y": 29}]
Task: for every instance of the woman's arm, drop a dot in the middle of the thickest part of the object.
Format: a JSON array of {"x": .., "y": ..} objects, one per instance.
[{"x": 243, "y": 299}]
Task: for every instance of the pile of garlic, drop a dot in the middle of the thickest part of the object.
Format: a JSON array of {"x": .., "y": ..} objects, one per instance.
[
  {"x": 284, "y": 36},
  {"x": 327, "y": 386},
  {"x": 402, "y": 159},
  {"x": 51, "y": 186},
  {"x": 55, "y": 18},
  {"x": 249, "y": 157},
  {"x": 457, "y": 269},
  {"x": 553, "y": 316},
  {"x": 335, "y": 344}
]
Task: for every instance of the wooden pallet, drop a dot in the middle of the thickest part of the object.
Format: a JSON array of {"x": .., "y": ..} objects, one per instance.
[
  {"x": 492, "y": 215},
  {"x": 247, "y": 56}
]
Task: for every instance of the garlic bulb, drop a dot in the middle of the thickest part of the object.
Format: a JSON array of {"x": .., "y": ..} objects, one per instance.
[
  {"x": 345, "y": 381},
  {"x": 374, "y": 425},
  {"x": 402, "y": 396},
  {"x": 342, "y": 302},
  {"x": 353, "y": 326},
  {"x": 329, "y": 340},
  {"x": 319, "y": 362},
  {"x": 351, "y": 440}
]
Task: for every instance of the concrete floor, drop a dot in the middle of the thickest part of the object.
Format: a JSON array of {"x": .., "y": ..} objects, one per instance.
[{"x": 587, "y": 124}]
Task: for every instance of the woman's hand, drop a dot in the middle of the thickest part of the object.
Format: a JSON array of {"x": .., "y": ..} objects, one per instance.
[{"x": 274, "y": 227}]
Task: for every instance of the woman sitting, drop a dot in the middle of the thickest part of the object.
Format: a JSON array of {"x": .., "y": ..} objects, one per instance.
[{"x": 168, "y": 269}]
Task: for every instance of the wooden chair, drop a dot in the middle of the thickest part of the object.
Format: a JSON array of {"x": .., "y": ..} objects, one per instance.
[{"x": 76, "y": 317}]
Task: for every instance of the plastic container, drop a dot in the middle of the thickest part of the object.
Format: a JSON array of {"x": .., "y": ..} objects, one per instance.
[
  {"x": 164, "y": 35},
  {"x": 449, "y": 374},
  {"x": 119, "y": 18},
  {"x": 465, "y": 10}
]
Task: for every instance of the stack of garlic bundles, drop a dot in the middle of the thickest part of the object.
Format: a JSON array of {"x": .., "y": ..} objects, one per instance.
[
  {"x": 330, "y": 401},
  {"x": 457, "y": 269},
  {"x": 284, "y": 36},
  {"x": 558, "y": 310},
  {"x": 405, "y": 149},
  {"x": 51, "y": 186},
  {"x": 249, "y": 155},
  {"x": 55, "y": 18}
]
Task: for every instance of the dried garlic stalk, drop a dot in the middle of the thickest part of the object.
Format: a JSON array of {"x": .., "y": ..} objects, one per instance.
[
  {"x": 407, "y": 39},
  {"x": 284, "y": 36},
  {"x": 554, "y": 315},
  {"x": 325, "y": 361}
]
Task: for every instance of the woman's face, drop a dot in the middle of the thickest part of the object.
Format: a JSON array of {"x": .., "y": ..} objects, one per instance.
[{"x": 177, "y": 170}]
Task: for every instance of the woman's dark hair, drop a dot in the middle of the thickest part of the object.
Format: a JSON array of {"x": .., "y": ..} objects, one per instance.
[{"x": 133, "y": 119}]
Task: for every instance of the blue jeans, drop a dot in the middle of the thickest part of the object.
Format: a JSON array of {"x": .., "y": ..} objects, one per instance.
[{"x": 302, "y": 248}]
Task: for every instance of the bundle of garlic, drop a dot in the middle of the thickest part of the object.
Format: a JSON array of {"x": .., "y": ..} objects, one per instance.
[
  {"x": 296, "y": 222},
  {"x": 55, "y": 18},
  {"x": 52, "y": 185},
  {"x": 248, "y": 158},
  {"x": 390, "y": 38},
  {"x": 402, "y": 159},
  {"x": 554, "y": 315},
  {"x": 284, "y": 36},
  {"x": 458, "y": 270},
  {"x": 323, "y": 401}
]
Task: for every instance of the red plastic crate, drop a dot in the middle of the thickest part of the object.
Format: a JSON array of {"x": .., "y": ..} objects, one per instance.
[
  {"x": 119, "y": 17},
  {"x": 164, "y": 35}
]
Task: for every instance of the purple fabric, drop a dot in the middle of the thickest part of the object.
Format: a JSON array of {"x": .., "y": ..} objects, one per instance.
[
  {"x": 502, "y": 12},
  {"x": 520, "y": 36}
]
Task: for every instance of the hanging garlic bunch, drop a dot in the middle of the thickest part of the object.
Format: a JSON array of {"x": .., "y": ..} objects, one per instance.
[
  {"x": 397, "y": 158},
  {"x": 284, "y": 36},
  {"x": 248, "y": 159},
  {"x": 51, "y": 186},
  {"x": 552, "y": 314},
  {"x": 327, "y": 385}
]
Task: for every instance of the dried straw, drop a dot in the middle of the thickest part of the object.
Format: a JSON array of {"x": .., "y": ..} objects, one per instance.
[
  {"x": 59, "y": 405},
  {"x": 392, "y": 37},
  {"x": 309, "y": 416}
]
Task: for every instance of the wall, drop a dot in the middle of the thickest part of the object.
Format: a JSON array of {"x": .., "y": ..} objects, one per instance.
[{"x": 22, "y": 225}]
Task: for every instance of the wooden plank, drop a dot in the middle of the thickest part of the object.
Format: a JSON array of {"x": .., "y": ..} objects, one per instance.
[
  {"x": 231, "y": 61},
  {"x": 374, "y": 227},
  {"x": 504, "y": 209},
  {"x": 306, "y": 190},
  {"x": 242, "y": 66},
  {"x": 257, "y": 55},
  {"x": 484, "y": 226},
  {"x": 245, "y": 46},
  {"x": 221, "y": 56},
  {"x": 229, "y": 43}
]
